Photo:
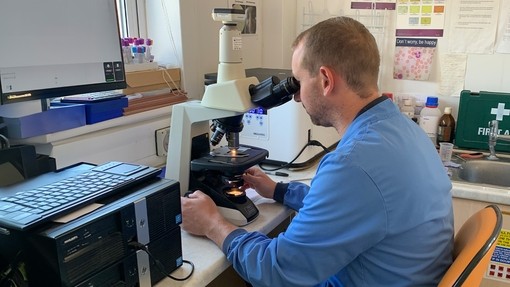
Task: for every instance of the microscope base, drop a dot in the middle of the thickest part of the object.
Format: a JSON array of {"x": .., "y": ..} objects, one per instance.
[
  {"x": 235, "y": 217},
  {"x": 240, "y": 213}
]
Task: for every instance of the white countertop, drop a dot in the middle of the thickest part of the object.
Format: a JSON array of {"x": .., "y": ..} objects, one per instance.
[
  {"x": 210, "y": 261},
  {"x": 481, "y": 192}
]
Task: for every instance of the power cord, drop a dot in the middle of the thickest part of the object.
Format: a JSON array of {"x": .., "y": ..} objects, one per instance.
[
  {"x": 4, "y": 141},
  {"x": 14, "y": 275},
  {"x": 306, "y": 164},
  {"x": 138, "y": 246}
]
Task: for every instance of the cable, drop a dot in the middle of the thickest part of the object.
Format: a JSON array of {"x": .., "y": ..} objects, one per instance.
[
  {"x": 4, "y": 142},
  {"x": 13, "y": 275},
  {"x": 138, "y": 246},
  {"x": 301, "y": 165},
  {"x": 175, "y": 87}
]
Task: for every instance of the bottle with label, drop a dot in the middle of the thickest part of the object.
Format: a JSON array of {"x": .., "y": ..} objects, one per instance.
[
  {"x": 418, "y": 106},
  {"x": 408, "y": 109},
  {"x": 446, "y": 127},
  {"x": 429, "y": 118}
]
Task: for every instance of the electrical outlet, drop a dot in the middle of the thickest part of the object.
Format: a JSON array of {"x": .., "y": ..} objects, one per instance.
[{"x": 162, "y": 137}]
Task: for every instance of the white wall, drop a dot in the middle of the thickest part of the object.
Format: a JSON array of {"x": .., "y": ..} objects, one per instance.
[
  {"x": 481, "y": 72},
  {"x": 196, "y": 41},
  {"x": 279, "y": 31}
]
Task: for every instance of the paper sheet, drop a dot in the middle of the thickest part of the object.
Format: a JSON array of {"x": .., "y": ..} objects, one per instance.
[
  {"x": 78, "y": 213},
  {"x": 473, "y": 26},
  {"x": 503, "y": 39},
  {"x": 416, "y": 19},
  {"x": 453, "y": 71}
]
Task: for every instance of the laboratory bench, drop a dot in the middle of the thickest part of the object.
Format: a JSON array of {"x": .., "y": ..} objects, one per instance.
[{"x": 212, "y": 268}]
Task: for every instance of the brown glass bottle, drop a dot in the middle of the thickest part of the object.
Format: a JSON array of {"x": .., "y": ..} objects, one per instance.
[{"x": 446, "y": 127}]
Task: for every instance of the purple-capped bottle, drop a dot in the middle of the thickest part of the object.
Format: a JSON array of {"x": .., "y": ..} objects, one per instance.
[{"x": 126, "y": 52}]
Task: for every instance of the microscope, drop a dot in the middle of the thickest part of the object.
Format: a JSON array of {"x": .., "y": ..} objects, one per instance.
[{"x": 195, "y": 155}]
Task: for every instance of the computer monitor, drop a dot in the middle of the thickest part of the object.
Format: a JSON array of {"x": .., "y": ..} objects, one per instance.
[{"x": 55, "y": 48}]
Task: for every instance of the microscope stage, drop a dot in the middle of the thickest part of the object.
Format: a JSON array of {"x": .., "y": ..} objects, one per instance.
[{"x": 223, "y": 160}]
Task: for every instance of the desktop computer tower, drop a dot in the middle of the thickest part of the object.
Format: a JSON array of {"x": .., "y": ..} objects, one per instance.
[{"x": 104, "y": 247}]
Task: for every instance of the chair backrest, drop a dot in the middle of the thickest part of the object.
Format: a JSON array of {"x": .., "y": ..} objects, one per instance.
[{"x": 474, "y": 244}]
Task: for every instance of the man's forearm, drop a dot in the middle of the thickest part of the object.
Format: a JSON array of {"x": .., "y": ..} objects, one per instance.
[{"x": 219, "y": 231}]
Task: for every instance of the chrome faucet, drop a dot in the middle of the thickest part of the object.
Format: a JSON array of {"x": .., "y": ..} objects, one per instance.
[{"x": 493, "y": 138}]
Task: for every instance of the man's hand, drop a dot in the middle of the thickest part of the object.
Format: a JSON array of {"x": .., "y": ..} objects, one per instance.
[
  {"x": 258, "y": 180},
  {"x": 200, "y": 216}
]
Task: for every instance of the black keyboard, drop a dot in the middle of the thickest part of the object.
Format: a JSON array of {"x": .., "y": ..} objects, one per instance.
[{"x": 26, "y": 208}]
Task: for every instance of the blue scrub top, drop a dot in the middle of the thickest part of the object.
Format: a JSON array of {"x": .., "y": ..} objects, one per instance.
[{"x": 377, "y": 213}]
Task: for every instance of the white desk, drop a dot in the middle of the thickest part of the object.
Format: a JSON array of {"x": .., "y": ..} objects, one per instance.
[{"x": 209, "y": 260}]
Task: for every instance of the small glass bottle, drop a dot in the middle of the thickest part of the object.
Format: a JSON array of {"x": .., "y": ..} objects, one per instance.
[
  {"x": 408, "y": 108},
  {"x": 418, "y": 106},
  {"x": 446, "y": 127},
  {"x": 126, "y": 52},
  {"x": 148, "y": 51}
]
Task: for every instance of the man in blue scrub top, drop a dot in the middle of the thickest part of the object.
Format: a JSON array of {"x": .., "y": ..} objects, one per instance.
[{"x": 378, "y": 211}]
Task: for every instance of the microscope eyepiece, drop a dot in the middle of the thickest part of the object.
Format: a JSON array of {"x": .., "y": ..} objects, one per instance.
[
  {"x": 272, "y": 92},
  {"x": 288, "y": 86}
]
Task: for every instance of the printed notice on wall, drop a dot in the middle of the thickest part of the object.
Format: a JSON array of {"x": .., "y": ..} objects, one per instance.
[
  {"x": 453, "y": 72},
  {"x": 503, "y": 38},
  {"x": 499, "y": 267},
  {"x": 413, "y": 58},
  {"x": 374, "y": 4},
  {"x": 250, "y": 10},
  {"x": 420, "y": 18},
  {"x": 473, "y": 26}
]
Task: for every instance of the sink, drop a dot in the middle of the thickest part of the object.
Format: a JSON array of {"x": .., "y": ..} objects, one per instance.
[{"x": 485, "y": 172}]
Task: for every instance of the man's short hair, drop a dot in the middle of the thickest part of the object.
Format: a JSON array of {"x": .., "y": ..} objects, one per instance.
[{"x": 346, "y": 46}]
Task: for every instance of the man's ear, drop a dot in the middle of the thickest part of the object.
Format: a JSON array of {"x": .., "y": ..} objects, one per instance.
[{"x": 327, "y": 80}]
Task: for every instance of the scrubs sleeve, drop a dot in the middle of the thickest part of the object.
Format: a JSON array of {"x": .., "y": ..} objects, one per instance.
[
  {"x": 230, "y": 237},
  {"x": 296, "y": 192},
  {"x": 279, "y": 191},
  {"x": 337, "y": 221}
]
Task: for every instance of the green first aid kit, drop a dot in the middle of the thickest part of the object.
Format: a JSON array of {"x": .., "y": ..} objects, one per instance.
[{"x": 476, "y": 111}]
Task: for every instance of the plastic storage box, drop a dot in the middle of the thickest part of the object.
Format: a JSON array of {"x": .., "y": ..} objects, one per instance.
[
  {"x": 53, "y": 120},
  {"x": 101, "y": 111}
]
